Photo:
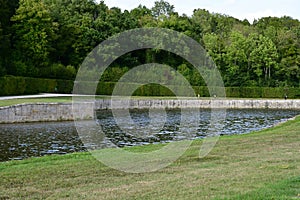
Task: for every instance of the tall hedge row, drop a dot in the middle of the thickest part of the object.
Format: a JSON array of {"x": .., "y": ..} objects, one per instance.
[
  {"x": 11, "y": 85},
  {"x": 105, "y": 88},
  {"x": 262, "y": 92}
]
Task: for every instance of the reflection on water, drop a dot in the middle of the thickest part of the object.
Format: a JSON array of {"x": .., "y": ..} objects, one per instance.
[{"x": 18, "y": 141}]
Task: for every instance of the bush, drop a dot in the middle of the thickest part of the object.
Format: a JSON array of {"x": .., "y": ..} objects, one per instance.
[
  {"x": 38, "y": 85},
  {"x": 232, "y": 91},
  {"x": 250, "y": 92},
  {"x": 58, "y": 70},
  {"x": 64, "y": 86},
  {"x": 11, "y": 85},
  {"x": 202, "y": 91},
  {"x": 105, "y": 88}
]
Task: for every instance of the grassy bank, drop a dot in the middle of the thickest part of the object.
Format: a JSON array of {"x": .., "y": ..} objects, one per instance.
[
  {"x": 261, "y": 165},
  {"x": 68, "y": 99},
  {"x": 10, "y": 102}
]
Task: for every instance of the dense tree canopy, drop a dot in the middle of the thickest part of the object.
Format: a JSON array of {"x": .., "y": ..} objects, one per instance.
[
  {"x": 7, "y": 10},
  {"x": 51, "y": 38}
]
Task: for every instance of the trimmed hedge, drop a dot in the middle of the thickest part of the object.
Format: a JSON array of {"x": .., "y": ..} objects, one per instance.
[
  {"x": 11, "y": 85},
  {"x": 153, "y": 90},
  {"x": 64, "y": 86},
  {"x": 35, "y": 85},
  {"x": 106, "y": 88},
  {"x": 262, "y": 92}
]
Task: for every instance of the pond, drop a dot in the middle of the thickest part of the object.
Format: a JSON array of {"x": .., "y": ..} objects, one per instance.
[{"x": 19, "y": 141}]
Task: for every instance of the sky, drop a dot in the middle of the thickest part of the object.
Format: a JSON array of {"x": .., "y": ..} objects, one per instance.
[{"x": 241, "y": 9}]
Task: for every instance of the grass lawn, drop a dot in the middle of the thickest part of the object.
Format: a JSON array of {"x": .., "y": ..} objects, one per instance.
[
  {"x": 261, "y": 165},
  {"x": 10, "y": 102}
]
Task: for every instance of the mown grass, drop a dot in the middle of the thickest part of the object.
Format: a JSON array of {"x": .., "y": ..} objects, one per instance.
[
  {"x": 68, "y": 99},
  {"x": 286, "y": 189},
  {"x": 260, "y": 165},
  {"x": 10, "y": 102}
]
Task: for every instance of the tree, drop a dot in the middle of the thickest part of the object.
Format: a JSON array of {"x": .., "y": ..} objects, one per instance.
[
  {"x": 34, "y": 31},
  {"x": 215, "y": 46},
  {"x": 7, "y": 10},
  {"x": 2, "y": 68},
  {"x": 236, "y": 60},
  {"x": 162, "y": 8},
  {"x": 143, "y": 15},
  {"x": 77, "y": 34},
  {"x": 177, "y": 23},
  {"x": 289, "y": 58},
  {"x": 41, "y": 38},
  {"x": 201, "y": 21},
  {"x": 264, "y": 59}
]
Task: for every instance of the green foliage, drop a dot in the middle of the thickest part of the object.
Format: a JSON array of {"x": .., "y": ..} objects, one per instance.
[
  {"x": 236, "y": 59},
  {"x": 12, "y": 85},
  {"x": 34, "y": 30},
  {"x": 262, "y": 92},
  {"x": 23, "y": 69},
  {"x": 153, "y": 90},
  {"x": 64, "y": 86},
  {"x": 264, "y": 58},
  {"x": 113, "y": 74},
  {"x": 215, "y": 46},
  {"x": 162, "y": 8},
  {"x": 202, "y": 91},
  {"x": 105, "y": 88},
  {"x": 62, "y": 72},
  {"x": 7, "y": 10},
  {"x": 50, "y": 39},
  {"x": 36, "y": 85}
]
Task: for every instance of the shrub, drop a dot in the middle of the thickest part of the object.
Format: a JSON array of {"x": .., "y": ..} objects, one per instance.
[{"x": 11, "y": 85}]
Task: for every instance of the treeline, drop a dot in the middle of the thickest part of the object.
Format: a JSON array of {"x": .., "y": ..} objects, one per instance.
[{"x": 51, "y": 38}]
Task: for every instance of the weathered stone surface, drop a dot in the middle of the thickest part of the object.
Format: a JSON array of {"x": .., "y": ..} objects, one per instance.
[{"x": 43, "y": 112}]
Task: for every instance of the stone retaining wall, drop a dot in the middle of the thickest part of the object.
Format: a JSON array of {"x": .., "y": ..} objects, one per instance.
[
  {"x": 196, "y": 103},
  {"x": 42, "y": 112}
]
